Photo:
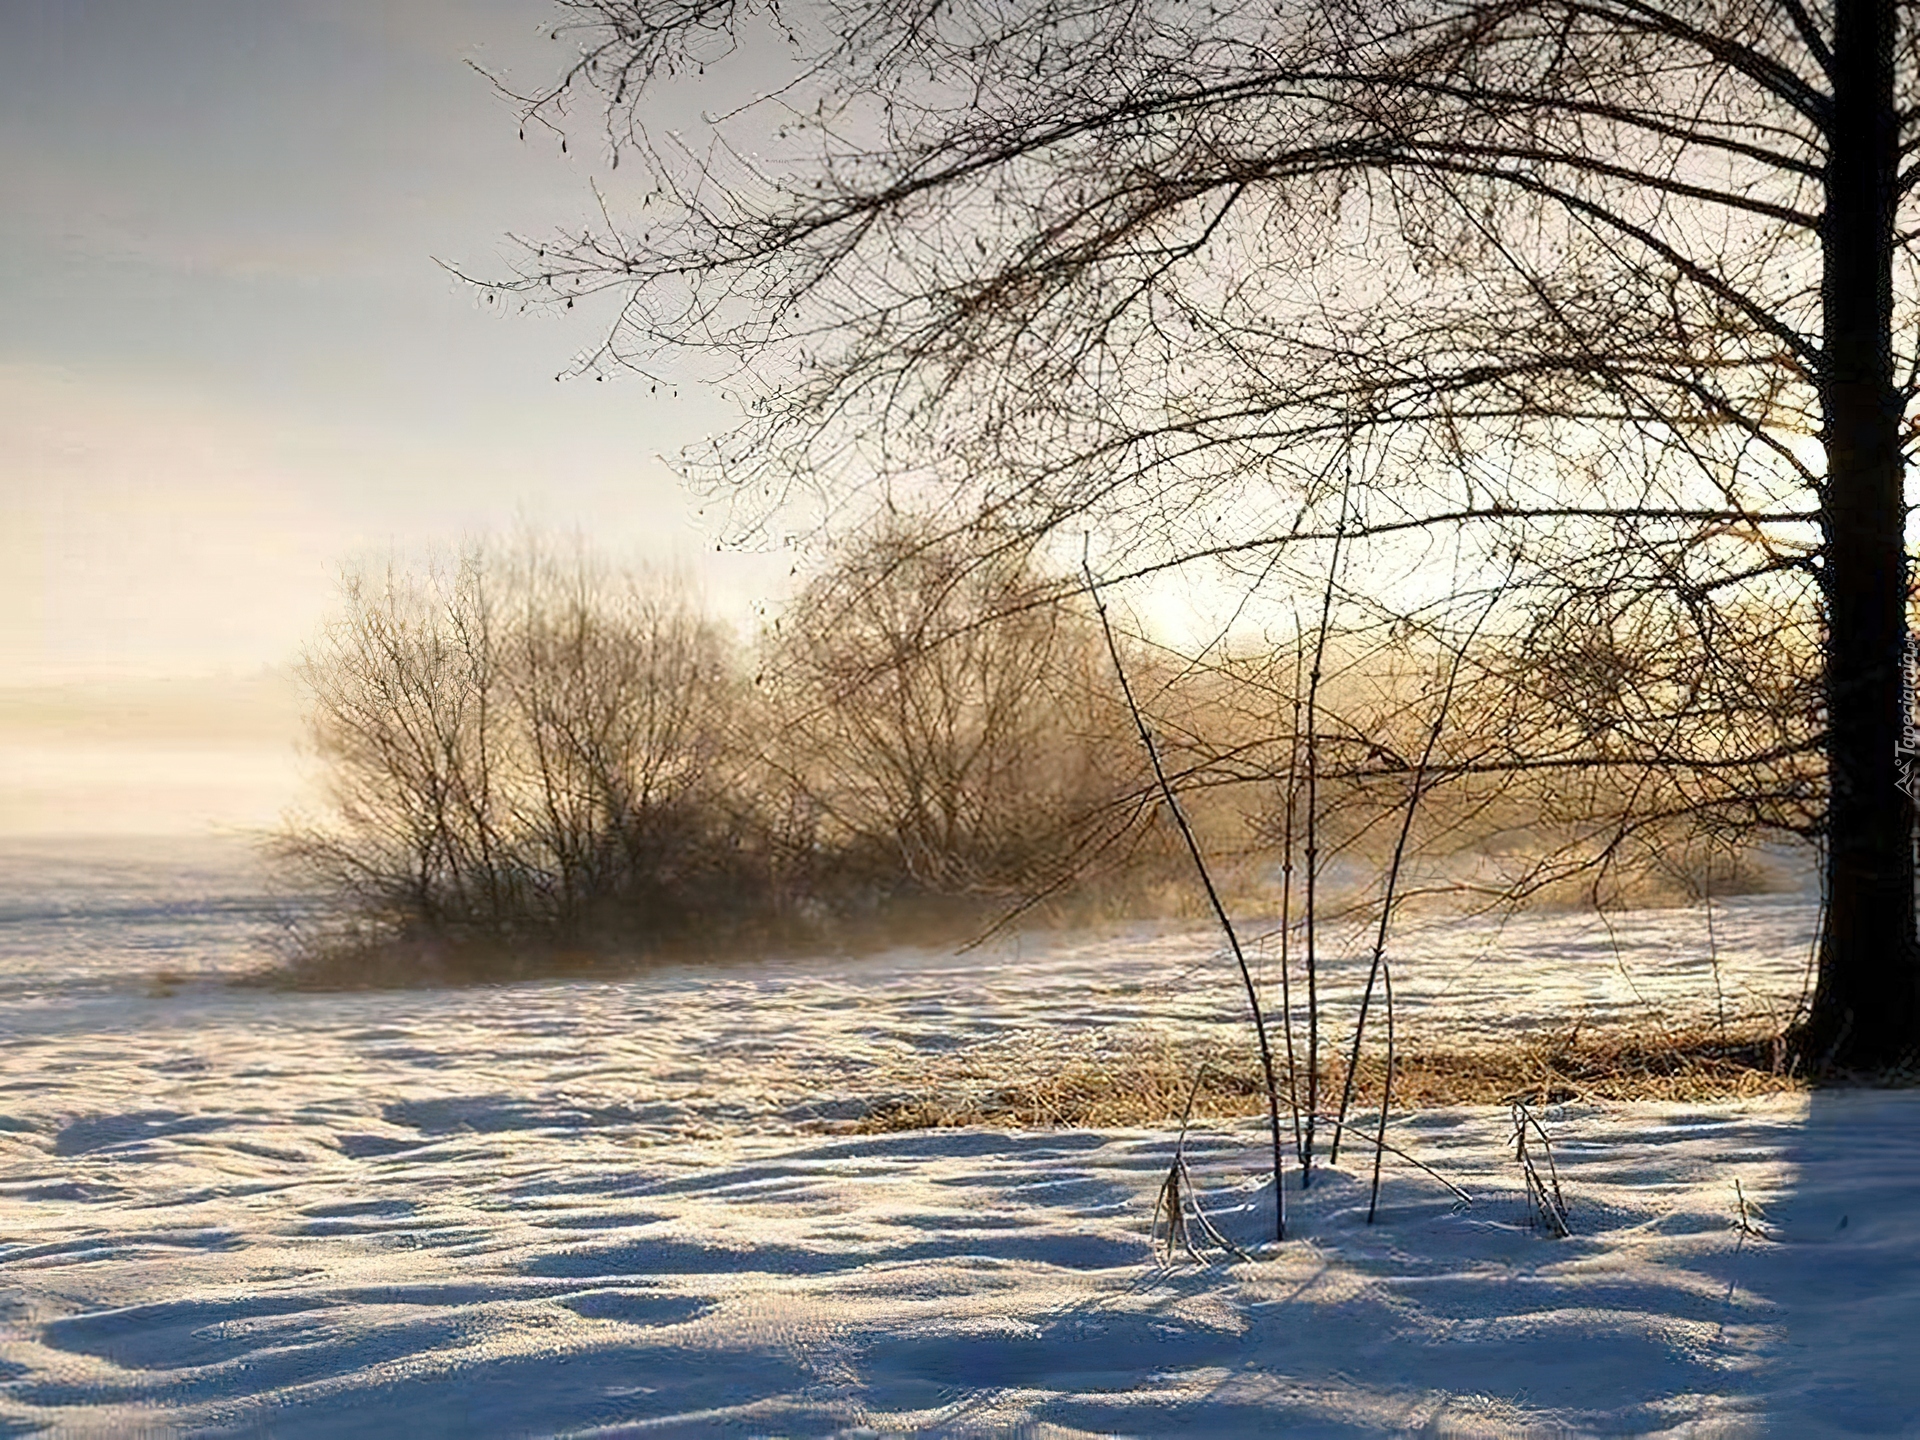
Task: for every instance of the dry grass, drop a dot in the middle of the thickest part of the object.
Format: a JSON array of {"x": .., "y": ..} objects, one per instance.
[{"x": 1141, "y": 1082}]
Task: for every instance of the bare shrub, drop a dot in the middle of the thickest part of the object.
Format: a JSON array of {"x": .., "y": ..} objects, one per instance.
[
  {"x": 522, "y": 747},
  {"x": 1539, "y": 789},
  {"x": 623, "y": 699},
  {"x": 946, "y": 724}
]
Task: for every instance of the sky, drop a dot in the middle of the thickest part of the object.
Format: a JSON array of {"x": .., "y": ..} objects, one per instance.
[{"x": 235, "y": 362}]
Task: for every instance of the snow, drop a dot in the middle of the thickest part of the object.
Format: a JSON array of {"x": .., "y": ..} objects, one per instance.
[{"x": 635, "y": 1207}]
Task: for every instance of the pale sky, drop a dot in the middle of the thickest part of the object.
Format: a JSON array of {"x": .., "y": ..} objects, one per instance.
[{"x": 231, "y": 363}]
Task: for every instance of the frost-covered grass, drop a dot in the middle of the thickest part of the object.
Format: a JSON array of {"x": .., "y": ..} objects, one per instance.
[
  {"x": 1145, "y": 1079},
  {"x": 632, "y": 1206}
]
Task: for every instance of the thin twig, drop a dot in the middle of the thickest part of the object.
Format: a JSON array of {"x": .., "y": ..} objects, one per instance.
[
  {"x": 1286, "y": 892},
  {"x": 1415, "y": 793},
  {"x": 1213, "y": 894},
  {"x": 1713, "y": 947},
  {"x": 1425, "y": 1169},
  {"x": 1313, "y": 831},
  {"x": 1545, "y": 1203},
  {"x": 1169, "y": 1196},
  {"x": 1386, "y": 1096},
  {"x": 1178, "y": 1193}
]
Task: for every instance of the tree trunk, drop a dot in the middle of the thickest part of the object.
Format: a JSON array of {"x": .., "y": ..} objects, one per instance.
[{"x": 1866, "y": 1007}]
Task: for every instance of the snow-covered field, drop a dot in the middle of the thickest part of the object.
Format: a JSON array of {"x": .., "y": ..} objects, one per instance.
[{"x": 635, "y": 1206}]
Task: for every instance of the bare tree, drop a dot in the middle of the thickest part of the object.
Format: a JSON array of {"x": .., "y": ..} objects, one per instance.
[
  {"x": 947, "y": 721},
  {"x": 1614, "y": 296},
  {"x": 623, "y": 699},
  {"x": 405, "y": 690}
]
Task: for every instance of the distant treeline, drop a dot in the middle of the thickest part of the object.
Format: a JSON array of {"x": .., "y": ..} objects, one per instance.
[{"x": 534, "y": 760}]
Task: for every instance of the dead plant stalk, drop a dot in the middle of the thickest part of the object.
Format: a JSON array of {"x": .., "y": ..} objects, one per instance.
[{"x": 1213, "y": 894}]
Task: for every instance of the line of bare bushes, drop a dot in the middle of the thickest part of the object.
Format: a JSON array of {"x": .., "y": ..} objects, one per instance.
[{"x": 534, "y": 761}]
